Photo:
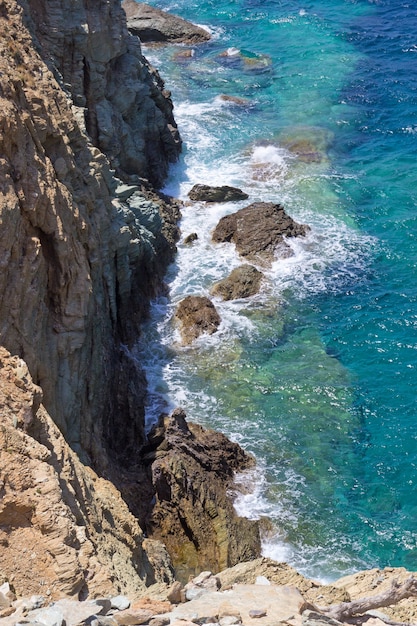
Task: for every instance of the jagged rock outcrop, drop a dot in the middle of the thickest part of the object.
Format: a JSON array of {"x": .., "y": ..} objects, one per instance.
[
  {"x": 153, "y": 25},
  {"x": 196, "y": 315},
  {"x": 63, "y": 530},
  {"x": 192, "y": 472},
  {"x": 79, "y": 262},
  {"x": 258, "y": 231},
  {"x": 119, "y": 97},
  {"x": 207, "y": 193},
  {"x": 244, "y": 281}
]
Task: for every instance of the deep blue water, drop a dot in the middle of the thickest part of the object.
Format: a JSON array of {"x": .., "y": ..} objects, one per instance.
[{"x": 316, "y": 376}]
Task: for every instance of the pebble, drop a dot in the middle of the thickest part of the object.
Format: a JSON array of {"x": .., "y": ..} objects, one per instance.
[{"x": 255, "y": 613}]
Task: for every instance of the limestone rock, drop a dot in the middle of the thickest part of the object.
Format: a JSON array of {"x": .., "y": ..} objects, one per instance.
[
  {"x": 205, "y": 193},
  {"x": 281, "y": 574},
  {"x": 192, "y": 473},
  {"x": 258, "y": 231},
  {"x": 197, "y": 315},
  {"x": 244, "y": 281},
  {"x": 203, "y": 583},
  {"x": 375, "y": 581},
  {"x": 273, "y": 605},
  {"x": 153, "y": 25}
]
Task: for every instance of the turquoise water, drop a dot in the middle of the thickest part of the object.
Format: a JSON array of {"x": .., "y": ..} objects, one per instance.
[{"x": 316, "y": 375}]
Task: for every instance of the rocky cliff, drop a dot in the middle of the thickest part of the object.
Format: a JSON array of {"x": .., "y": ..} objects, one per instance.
[
  {"x": 86, "y": 135},
  {"x": 78, "y": 261}
]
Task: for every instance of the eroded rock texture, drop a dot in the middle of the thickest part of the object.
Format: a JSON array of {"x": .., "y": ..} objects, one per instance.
[
  {"x": 196, "y": 315},
  {"x": 78, "y": 263},
  {"x": 192, "y": 471},
  {"x": 244, "y": 281},
  {"x": 120, "y": 98},
  {"x": 153, "y": 25},
  {"x": 259, "y": 231},
  {"x": 62, "y": 527}
]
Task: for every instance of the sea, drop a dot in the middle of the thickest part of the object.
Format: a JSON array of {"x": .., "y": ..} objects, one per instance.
[{"x": 313, "y": 105}]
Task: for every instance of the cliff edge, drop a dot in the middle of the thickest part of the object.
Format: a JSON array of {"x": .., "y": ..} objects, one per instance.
[{"x": 86, "y": 136}]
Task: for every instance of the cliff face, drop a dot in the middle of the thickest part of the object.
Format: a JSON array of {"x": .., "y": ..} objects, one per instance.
[
  {"x": 86, "y": 131},
  {"x": 78, "y": 263},
  {"x": 127, "y": 112},
  {"x": 62, "y": 528}
]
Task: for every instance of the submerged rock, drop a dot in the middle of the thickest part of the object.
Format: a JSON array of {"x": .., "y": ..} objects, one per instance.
[
  {"x": 206, "y": 193},
  {"x": 153, "y": 25},
  {"x": 309, "y": 143},
  {"x": 197, "y": 315},
  {"x": 243, "y": 282},
  {"x": 258, "y": 230}
]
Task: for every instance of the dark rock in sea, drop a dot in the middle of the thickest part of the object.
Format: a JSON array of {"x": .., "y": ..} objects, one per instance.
[
  {"x": 206, "y": 193},
  {"x": 193, "y": 473},
  {"x": 243, "y": 282},
  {"x": 190, "y": 238},
  {"x": 197, "y": 315},
  {"x": 153, "y": 25},
  {"x": 258, "y": 231}
]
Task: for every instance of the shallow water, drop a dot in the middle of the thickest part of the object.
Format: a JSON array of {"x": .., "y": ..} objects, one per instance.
[{"x": 316, "y": 375}]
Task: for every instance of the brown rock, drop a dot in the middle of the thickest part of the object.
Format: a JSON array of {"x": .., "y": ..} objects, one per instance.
[
  {"x": 193, "y": 514},
  {"x": 258, "y": 230},
  {"x": 78, "y": 265},
  {"x": 72, "y": 529},
  {"x": 197, "y": 315},
  {"x": 175, "y": 594},
  {"x": 190, "y": 238},
  {"x": 153, "y": 25},
  {"x": 132, "y": 617},
  {"x": 205, "y": 193},
  {"x": 243, "y": 282},
  {"x": 242, "y": 102}
]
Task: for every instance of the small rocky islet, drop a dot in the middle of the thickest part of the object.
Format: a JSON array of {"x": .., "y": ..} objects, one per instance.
[{"x": 91, "y": 531}]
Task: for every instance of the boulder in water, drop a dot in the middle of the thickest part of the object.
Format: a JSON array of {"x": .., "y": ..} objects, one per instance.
[
  {"x": 153, "y": 25},
  {"x": 206, "y": 193},
  {"x": 197, "y": 315},
  {"x": 258, "y": 231},
  {"x": 244, "y": 281}
]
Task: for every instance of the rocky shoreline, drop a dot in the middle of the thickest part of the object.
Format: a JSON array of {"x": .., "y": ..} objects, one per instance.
[{"x": 101, "y": 523}]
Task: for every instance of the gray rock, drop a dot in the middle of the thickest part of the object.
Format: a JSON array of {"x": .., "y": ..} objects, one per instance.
[
  {"x": 101, "y": 620},
  {"x": 153, "y": 25},
  {"x": 159, "y": 620},
  {"x": 256, "y": 613},
  {"x": 105, "y": 605},
  {"x": 49, "y": 616},
  {"x": 205, "y": 193},
  {"x": 230, "y": 620},
  {"x": 313, "y": 618},
  {"x": 75, "y": 612},
  {"x": 120, "y": 602}
]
